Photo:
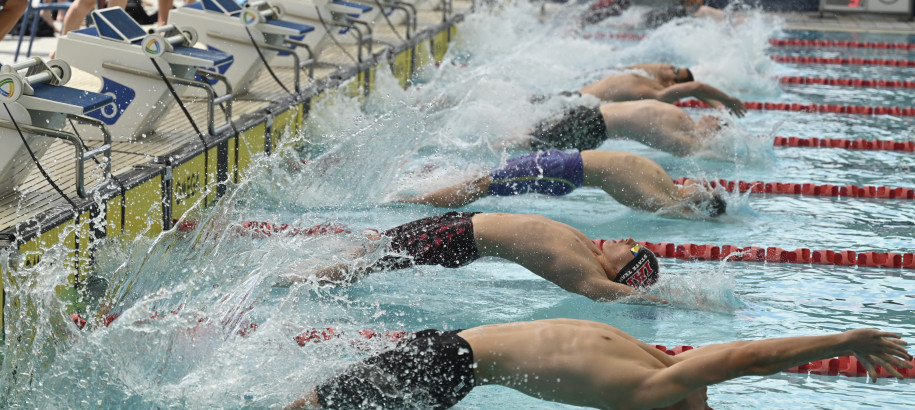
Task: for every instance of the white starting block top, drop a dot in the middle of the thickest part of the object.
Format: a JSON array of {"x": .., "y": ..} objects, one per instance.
[
  {"x": 140, "y": 94},
  {"x": 37, "y": 98},
  {"x": 225, "y": 26}
]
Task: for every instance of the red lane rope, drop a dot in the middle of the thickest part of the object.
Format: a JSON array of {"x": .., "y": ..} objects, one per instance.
[
  {"x": 791, "y": 42},
  {"x": 848, "y": 82},
  {"x": 843, "y": 61},
  {"x": 806, "y": 189},
  {"x": 259, "y": 228},
  {"x": 689, "y": 251},
  {"x": 844, "y": 365},
  {"x": 818, "y": 108},
  {"x": 859, "y": 144}
]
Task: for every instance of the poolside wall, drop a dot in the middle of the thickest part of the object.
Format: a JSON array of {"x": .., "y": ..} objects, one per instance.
[{"x": 146, "y": 201}]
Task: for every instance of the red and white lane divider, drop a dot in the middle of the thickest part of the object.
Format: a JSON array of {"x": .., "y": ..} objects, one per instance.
[
  {"x": 259, "y": 228},
  {"x": 815, "y": 108},
  {"x": 859, "y": 144},
  {"x": 844, "y": 365},
  {"x": 733, "y": 253},
  {"x": 843, "y": 61},
  {"x": 793, "y": 42},
  {"x": 807, "y": 189},
  {"x": 848, "y": 82}
]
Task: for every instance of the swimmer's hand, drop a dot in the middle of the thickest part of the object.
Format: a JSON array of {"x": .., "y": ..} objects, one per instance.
[
  {"x": 872, "y": 347},
  {"x": 736, "y": 107}
]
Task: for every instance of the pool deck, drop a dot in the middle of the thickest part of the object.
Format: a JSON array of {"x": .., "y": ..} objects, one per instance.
[{"x": 827, "y": 21}]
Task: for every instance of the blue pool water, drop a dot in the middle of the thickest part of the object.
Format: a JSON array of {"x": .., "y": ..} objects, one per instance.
[{"x": 455, "y": 123}]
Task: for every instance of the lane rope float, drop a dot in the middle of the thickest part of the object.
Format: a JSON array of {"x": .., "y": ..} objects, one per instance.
[
  {"x": 733, "y": 253},
  {"x": 858, "y": 144},
  {"x": 812, "y": 108},
  {"x": 806, "y": 189},
  {"x": 794, "y": 42},
  {"x": 843, "y": 61},
  {"x": 843, "y": 365},
  {"x": 847, "y": 82}
]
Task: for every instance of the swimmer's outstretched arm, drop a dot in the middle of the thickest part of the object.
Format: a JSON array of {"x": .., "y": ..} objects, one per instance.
[
  {"x": 717, "y": 363},
  {"x": 454, "y": 196},
  {"x": 310, "y": 401},
  {"x": 708, "y": 94}
]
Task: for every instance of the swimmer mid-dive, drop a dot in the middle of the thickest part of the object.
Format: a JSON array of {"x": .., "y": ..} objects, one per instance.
[
  {"x": 559, "y": 253},
  {"x": 581, "y": 363},
  {"x": 633, "y": 180},
  {"x": 664, "y": 82},
  {"x": 656, "y": 124},
  {"x": 667, "y": 83}
]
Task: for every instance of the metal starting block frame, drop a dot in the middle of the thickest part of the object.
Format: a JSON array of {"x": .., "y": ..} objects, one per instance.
[
  {"x": 37, "y": 106},
  {"x": 254, "y": 34},
  {"x": 137, "y": 69}
]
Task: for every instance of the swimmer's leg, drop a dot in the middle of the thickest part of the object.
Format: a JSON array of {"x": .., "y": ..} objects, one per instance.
[
  {"x": 454, "y": 196},
  {"x": 636, "y": 181}
]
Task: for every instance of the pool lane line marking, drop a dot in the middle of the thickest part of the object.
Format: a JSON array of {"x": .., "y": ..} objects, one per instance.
[
  {"x": 843, "y": 61},
  {"x": 858, "y": 144},
  {"x": 842, "y": 365},
  {"x": 793, "y": 42},
  {"x": 806, "y": 189},
  {"x": 811, "y": 108},
  {"x": 847, "y": 82},
  {"x": 733, "y": 253}
]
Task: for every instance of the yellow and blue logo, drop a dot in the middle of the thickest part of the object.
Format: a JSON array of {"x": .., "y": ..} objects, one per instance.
[
  {"x": 249, "y": 17},
  {"x": 7, "y": 87},
  {"x": 153, "y": 46}
]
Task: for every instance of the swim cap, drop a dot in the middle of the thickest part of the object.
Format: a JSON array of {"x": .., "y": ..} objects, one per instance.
[{"x": 641, "y": 271}]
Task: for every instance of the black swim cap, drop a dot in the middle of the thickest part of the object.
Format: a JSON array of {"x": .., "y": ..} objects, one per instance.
[{"x": 640, "y": 272}]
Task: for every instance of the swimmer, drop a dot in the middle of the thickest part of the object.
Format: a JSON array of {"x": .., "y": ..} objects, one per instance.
[
  {"x": 656, "y": 124},
  {"x": 559, "y": 253},
  {"x": 633, "y": 180},
  {"x": 686, "y": 8},
  {"x": 669, "y": 84},
  {"x": 581, "y": 363}
]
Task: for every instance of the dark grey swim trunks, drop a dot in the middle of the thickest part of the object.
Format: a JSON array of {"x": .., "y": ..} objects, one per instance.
[{"x": 580, "y": 128}]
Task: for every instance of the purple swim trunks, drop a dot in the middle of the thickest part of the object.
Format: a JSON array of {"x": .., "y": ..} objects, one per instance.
[{"x": 550, "y": 172}]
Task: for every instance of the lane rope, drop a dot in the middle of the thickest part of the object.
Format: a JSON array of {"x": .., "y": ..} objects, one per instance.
[
  {"x": 843, "y": 61},
  {"x": 858, "y": 144},
  {"x": 773, "y": 254},
  {"x": 843, "y": 365},
  {"x": 806, "y": 189},
  {"x": 794, "y": 42},
  {"x": 812, "y": 108},
  {"x": 848, "y": 82}
]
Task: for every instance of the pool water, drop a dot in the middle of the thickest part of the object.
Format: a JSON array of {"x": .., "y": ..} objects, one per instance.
[{"x": 184, "y": 298}]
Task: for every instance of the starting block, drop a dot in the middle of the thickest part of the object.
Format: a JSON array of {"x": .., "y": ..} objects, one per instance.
[
  {"x": 254, "y": 34},
  {"x": 137, "y": 67},
  {"x": 37, "y": 106}
]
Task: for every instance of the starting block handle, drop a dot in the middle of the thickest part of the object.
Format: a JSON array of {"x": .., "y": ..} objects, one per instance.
[{"x": 81, "y": 157}]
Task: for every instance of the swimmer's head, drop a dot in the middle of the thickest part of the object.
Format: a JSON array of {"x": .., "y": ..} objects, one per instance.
[
  {"x": 711, "y": 204},
  {"x": 640, "y": 268},
  {"x": 682, "y": 75}
]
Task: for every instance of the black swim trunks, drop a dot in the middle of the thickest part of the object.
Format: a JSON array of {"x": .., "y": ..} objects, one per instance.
[
  {"x": 431, "y": 369},
  {"x": 659, "y": 17},
  {"x": 601, "y": 9},
  {"x": 580, "y": 128},
  {"x": 445, "y": 240}
]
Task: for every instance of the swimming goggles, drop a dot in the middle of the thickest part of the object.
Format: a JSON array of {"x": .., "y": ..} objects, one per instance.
[{"x": 635, "y": 250}]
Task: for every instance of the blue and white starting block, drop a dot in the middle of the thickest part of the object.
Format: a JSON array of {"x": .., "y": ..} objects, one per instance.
[
  {"x": 254, "y": 34},
  {"x": 37, "y": 106},
  {"x": 134, "y": 66}
]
